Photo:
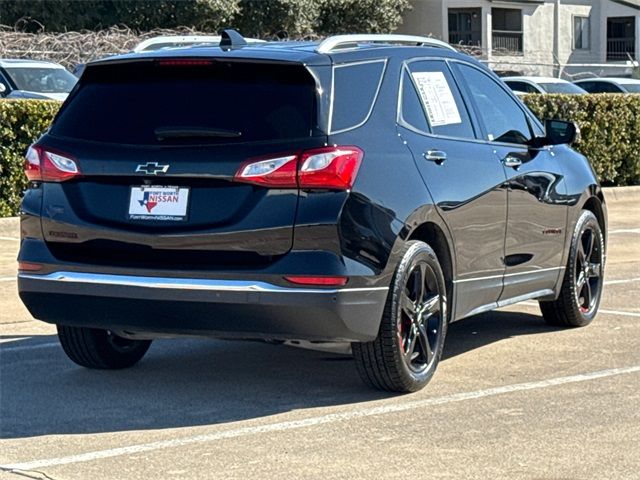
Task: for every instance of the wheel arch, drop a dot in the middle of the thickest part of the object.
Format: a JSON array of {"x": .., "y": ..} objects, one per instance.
[
  {"x": 595, "y": 203},
  {"x": 432, "y": 234}
]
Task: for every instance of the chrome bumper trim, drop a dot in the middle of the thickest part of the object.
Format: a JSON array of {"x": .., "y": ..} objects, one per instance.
[{"x": 183, "y": 283}]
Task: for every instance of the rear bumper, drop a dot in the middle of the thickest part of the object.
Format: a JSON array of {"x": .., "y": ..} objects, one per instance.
[{"x": 221, "y": 308}]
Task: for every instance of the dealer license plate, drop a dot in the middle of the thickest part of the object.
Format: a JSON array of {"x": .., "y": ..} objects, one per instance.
[{"x": 158, "y": 203}]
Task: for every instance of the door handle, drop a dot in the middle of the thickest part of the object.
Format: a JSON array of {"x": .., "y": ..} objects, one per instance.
[
  {"x": 511, "y": 161},
  {"x": 436, "y": 156}
]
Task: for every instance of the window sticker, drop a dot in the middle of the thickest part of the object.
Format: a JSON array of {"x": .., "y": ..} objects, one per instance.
[{"x": 437, "y": 98}]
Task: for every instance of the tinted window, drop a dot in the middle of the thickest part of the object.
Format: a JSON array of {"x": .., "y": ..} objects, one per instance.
[
  {"x": 355, "y": 88},
  {"x": 412, "y": 112},
  {"x": 126, "y": 104},
  {"x": 600, "y": 87},
  {"x": 605, "y": 87},
  {"x": 503, "y": 119},
  {"x": 441, "y": 100},
  {"x": 521, "y": 87},
  {"x": 588, "y": 86}
]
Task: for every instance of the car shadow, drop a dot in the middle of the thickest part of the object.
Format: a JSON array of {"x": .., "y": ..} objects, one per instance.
[
  {"x": 487, "y": 328},
  {"x": 193, "y": 382}
]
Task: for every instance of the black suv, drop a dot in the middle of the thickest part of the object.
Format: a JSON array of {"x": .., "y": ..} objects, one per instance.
[{"x": 365, "y": 189}]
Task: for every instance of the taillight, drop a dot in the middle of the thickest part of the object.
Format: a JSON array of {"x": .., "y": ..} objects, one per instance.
[
  {"x": 317, "y": 280},
  {"x": 279, "y": 171},
  {"x": 184, "y": 62},
  {"x": 333, "y": 168},
  {"x": 48, "y": 166},
  {"x": 330, "y": 167},
  {"x": 29, "y": 267}
]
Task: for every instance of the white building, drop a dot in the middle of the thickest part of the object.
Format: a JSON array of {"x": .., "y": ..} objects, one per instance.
[{"x": 536, "y": 36}]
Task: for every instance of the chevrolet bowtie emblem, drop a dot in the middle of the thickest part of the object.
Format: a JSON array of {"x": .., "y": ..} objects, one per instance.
[{"x": 152, "y": 168}]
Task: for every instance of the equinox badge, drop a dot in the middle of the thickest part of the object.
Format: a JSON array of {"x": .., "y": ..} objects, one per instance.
[{"x": 152, "y": 168}]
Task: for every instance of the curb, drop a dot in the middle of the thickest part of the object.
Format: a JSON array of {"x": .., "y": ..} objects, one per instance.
[
  {"x": 9, "y": 227},
  {"x": 621, "y": 194}
]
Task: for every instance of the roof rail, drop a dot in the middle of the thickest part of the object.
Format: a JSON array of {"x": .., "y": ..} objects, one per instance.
[{"x": 333, "y": 43}]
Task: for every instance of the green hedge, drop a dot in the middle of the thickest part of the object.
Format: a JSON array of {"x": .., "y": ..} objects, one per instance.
[
  {"x": 610, "y": 127},
  {"x": 21, "y": 122}
]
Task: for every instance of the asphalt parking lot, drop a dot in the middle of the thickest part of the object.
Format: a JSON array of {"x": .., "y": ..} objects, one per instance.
[{"x": 512, "y": 398}]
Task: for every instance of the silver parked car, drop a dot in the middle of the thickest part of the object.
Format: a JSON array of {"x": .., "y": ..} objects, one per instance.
[
  {"x": 524, "y": 85},
  {"x": 34, "y": 79},
  {"x": 610, "y": 85}
]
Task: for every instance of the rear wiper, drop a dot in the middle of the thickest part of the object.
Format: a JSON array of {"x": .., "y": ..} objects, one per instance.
[{"x": 163, "y": 133}]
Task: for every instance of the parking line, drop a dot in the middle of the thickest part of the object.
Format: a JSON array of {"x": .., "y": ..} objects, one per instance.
[
  {"x": 624, "y": 230},
  {"x": 618, "y": 282},
  {"x": 7, "y": 279},
  {"x": 10, "y": 238},
  {"x": 319, "y": 420},
  {"x": 27, "y": 347}
]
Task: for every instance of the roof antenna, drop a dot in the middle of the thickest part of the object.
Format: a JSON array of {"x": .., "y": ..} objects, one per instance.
[{"x": 231, "y": 39}]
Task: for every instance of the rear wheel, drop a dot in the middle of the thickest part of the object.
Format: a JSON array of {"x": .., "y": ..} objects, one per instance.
[
  {"x": 405, "y": 355},
  {"x": 101, "y": 349},
  {"x": 579, "y": 299}
]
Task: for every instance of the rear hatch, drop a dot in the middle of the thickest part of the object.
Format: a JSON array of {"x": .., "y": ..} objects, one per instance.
[{"x": 157, "y": 144}]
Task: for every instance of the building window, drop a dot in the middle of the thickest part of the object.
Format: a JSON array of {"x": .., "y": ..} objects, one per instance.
[
  {"x": 465, "y": 26},
  {"x": 581, "y": 31},
  {"x": 506, "y": 31},
  {"x": 621, "y": 38}
]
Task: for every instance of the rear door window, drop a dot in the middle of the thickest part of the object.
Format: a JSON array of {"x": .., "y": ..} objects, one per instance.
[
  {"x": 220, "y": 102},
  {"x": 441, "y": 101}
]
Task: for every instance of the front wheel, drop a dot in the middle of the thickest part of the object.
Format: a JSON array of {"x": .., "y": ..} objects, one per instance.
[
  {"x": 579, "y": 299},
  {"x": 407, "y": 350},
  {"x": 101, "y": 349}
]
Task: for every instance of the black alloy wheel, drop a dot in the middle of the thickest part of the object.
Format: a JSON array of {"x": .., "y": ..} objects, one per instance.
[
  {"x": 582, "y": 284},
  {"x": 588, "y": 270},
  {"x": 407, "y": 350},
  {"x": 419, "y": 322}
]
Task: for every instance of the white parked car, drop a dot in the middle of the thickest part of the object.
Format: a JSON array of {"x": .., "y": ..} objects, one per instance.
[
  {"x": 178, "y": 41},
  {"x": 34, "y": 79},
  {"x": 524, "y": 85},
  {"x": 610, "y": 85}
]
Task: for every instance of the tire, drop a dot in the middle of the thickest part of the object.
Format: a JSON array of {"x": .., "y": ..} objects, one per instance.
[
  {"x": 581, "y": 291},
  {"x": 100, "y": 349},
  {"x": 407, "y": 350}
]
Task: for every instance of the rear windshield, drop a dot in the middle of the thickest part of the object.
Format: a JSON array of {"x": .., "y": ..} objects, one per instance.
[
  {"x": 42, "y": 80},
  {"x": 213, "y": 103},
  {"x": 631, "y": 87},
  {"x": 561, "y": 88}
]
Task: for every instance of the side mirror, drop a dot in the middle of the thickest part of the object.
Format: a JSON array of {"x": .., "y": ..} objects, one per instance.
[
  {"x": 3, "y": 88},
  {"x": 559, "y": 132}
]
